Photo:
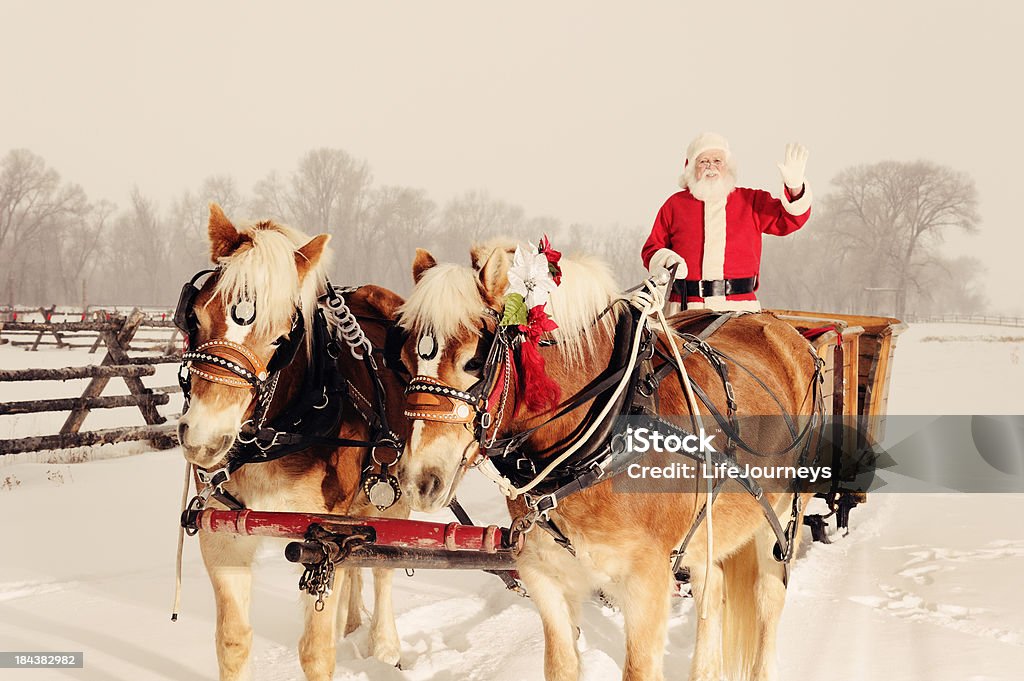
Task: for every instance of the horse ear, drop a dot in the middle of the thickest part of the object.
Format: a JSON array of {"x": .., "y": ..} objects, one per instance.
[
  {"x": 479, "y": 252},
  {"x": 423, "y": 262},
  {"x": 224, "y": 238},
  {"x": 307, "y": 257},
  {"x": 493, "y": 276}
]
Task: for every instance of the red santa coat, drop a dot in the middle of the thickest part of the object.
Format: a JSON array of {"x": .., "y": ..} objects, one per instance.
[{"x": 723, "y": 240}]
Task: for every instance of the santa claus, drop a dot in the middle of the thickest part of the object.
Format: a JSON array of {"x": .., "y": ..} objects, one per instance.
[{"x": 712, "y": 229}]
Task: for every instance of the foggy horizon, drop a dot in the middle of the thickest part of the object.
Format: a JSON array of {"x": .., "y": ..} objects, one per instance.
[{"x": 579, "y": 112}]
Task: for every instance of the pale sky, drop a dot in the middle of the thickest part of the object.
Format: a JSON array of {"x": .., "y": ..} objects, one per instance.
[{"x": 580, "y": 111}]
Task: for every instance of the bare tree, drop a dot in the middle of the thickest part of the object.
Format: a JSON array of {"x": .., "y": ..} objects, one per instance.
[
  {"x": 898, "y": 212},
  {"x": 475, "y": 216},
  {"x": 328, "y": 192},
  {"x": 398, "y": 220},
  {"x": 270, "y": 199},
  {"x": 139, "y": 255},
  {"x": 189, "y": 216},
  {"x": 33, "y": 205},
  {"x": 81, "y": 245}
]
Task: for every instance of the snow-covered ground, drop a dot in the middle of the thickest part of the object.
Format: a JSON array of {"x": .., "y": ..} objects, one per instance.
[{"x": 926, "y": 586}]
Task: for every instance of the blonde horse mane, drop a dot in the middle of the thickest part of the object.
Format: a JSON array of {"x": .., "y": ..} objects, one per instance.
[
  {"x": 448, "y": 301},
  {"x": 264, "y": 267}
]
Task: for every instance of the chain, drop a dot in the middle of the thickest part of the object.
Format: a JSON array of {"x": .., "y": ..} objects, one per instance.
[
  {"x": 501, "y": 403},
  {"x": 318, "y": 579},
  {"x": 348, "y": 326},
  {"x": 263, "y": 407}
]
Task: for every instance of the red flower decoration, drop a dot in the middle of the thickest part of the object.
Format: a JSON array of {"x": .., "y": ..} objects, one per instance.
[
  {"x": 553, "y": 257},
  {"x": 538, "y": 323}
]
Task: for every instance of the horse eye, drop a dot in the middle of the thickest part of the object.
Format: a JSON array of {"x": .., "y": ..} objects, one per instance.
[{"x": 473, "y": 366}]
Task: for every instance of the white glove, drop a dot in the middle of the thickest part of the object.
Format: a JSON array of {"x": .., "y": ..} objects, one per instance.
[
  {"x": 666, "y": 258},
  {"x": 793, "y": 167}
]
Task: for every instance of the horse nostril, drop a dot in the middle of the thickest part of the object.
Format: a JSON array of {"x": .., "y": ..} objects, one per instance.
[
  {"x": 430, "y": 485},
  {"x": 182, "y": 433}
]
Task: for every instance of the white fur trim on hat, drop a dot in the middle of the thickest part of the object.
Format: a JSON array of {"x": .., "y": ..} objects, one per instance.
[
  {"x": 801, "y": 205},
  {"x": 705, "y": 142}
]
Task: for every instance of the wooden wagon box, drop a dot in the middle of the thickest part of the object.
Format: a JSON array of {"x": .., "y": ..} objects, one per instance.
[{"x": 859, "y": 368}]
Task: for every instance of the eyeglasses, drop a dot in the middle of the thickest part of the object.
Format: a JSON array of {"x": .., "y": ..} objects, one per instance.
[{"x": 707, "y": 163}]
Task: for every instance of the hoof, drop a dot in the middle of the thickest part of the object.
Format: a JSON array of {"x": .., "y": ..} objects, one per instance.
[{"x": 388, "y": 653}]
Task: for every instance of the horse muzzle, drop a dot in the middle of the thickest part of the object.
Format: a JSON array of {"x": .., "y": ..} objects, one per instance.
[{"x": 203, "y": 442}]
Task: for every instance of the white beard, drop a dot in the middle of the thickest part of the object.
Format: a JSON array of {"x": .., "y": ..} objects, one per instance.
[{"x": 713, "y": 190}]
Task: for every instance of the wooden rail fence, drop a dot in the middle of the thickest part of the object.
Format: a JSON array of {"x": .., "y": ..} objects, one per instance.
[
  {"x": 116, "y": 334},
  {"x": 65, "y": 329},
  {"x": 992, "y": 320}
]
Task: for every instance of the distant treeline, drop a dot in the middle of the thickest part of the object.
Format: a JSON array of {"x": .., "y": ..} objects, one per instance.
[{"x": 871, "y": 245}]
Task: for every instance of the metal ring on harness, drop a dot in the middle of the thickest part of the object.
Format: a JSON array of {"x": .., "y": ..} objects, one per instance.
[
  {"x": 323, "y": 404},
  {"x": 241, "y": 431}
]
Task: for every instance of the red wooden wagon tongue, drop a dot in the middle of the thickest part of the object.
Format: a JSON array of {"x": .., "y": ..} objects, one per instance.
[{"x": 324, "y": 541}]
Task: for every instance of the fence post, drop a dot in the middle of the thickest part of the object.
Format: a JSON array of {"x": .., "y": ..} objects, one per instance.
[{"x": 116, "y": 354}]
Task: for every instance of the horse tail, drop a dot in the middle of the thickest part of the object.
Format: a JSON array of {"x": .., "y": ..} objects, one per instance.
[{"x": 740, "y": 635}]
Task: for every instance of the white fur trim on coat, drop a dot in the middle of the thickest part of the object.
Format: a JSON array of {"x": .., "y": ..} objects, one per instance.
[
  {"x": 801, "y": 205},
  {"x": 713, "y": 263},
  {"x": 721, "y": 304}
]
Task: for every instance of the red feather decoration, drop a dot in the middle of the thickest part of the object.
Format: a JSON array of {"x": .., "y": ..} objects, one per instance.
[{"x": 540, "y": 392}]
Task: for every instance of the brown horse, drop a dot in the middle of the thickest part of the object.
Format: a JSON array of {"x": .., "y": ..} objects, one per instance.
[
  {"x": 621, "y": 537},
  {"x": 252, "y": 323}
]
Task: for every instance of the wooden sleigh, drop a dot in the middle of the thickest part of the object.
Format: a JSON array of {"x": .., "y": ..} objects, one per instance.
[{"x": 858, "y": 351}]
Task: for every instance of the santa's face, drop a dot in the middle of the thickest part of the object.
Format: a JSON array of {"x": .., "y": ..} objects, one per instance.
[
  {"x": 710, "y": 164},
  {"x": 713, "y": 177}
]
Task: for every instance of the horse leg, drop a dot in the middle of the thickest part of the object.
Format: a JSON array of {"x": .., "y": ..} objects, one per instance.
[
  {"x": 349, "y": 616},
  {"x": 350, "y": 602},
  {"x": 228, "y": 561},
  {"x": 645, "y": 605},
  {"x": 320, "y": 637},
  {"x": 548, "y": 587},
  {"x": 384, "y": 643},
  {"x": 770, "y": 594},
  {"x": 707, "y": 653}
]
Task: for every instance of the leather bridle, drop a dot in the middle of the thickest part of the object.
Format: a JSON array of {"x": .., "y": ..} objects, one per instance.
[
  {"x": 481, "y": 407},
  {"x": 226, "y": 362}
]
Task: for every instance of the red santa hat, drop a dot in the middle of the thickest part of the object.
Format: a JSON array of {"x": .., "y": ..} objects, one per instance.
[{"x": 706, "y": 141}]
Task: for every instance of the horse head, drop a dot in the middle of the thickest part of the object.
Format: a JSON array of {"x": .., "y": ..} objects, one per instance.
[
  {"x": 245, "y": 323},
  {"x": 469, "y": 381}
]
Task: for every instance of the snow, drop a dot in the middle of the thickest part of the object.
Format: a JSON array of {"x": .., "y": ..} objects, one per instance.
[{"x": 925, "y": 586}]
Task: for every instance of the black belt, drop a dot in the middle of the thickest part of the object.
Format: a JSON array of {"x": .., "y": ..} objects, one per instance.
[{"x": 705, "y": 288}]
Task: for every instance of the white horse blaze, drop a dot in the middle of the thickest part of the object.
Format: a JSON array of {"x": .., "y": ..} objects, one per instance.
[
  {"x": 209, "y": 421},
  {"x": 440, "y": 450},
  {"x": 236, "y": 333}
]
